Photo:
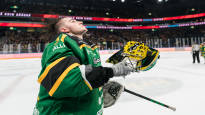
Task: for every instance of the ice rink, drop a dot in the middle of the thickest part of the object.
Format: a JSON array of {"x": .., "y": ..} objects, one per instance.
[{"x": 174, "y": 81}]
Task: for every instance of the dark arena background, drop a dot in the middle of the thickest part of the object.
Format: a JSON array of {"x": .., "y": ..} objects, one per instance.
[{"x": 170, "y": 26}]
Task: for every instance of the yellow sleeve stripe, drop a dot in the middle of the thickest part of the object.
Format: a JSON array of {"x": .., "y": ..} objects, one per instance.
[
  {"x": 94, "y": 47},
  {"x": 63, "y": 37},
  {"x": 57, "y": 39},
  {"x": 44, "y": 74},
  {"x": 84, "y": 45},
  {"x": 60, "y": 79},
  {"x": 81, "y": 46},
  {"x": 88, "y": 84}
]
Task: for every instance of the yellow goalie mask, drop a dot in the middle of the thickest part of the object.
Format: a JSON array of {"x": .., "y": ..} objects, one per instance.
[
  {"x": 135, "y": 50},
  {"x": 140, "y": 56}
]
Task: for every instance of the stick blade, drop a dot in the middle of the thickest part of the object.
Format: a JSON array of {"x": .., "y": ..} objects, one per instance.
[{"x": 172, "y": 108}]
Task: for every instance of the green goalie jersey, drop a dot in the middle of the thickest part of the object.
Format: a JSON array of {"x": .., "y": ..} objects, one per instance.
[{"x": 63, "y": 87}]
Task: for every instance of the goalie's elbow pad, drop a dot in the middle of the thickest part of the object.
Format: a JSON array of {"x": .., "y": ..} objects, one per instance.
[{"x": 97, "y": 76}]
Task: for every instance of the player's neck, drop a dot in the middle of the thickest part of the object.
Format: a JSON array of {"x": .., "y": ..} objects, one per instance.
[{"x": 79, "y": 36}]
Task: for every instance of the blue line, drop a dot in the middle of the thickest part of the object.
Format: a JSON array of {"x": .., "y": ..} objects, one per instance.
[
  {"x": 173, "y": 25},
  {"x": 147, "y": 19},
  {"x": 91, "y": 27}
]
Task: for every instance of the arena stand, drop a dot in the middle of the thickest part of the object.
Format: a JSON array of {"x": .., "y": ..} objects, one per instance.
[{"x": 20, "y": 44}]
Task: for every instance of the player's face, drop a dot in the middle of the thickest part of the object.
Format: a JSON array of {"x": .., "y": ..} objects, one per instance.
[{"x": 74, "y": 26}]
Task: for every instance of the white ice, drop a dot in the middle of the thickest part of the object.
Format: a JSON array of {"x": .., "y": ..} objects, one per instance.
[{"x": 174, "y": 81}]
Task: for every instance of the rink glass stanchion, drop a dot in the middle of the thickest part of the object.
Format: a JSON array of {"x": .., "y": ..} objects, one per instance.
[{"x": 146, "y": 98}]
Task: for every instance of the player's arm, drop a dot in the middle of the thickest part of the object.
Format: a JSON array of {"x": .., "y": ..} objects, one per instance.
[
  {"x": 65, "y": 77},
  {"x": 62, "y": 78},
  {"x": 98, "y": 76}
]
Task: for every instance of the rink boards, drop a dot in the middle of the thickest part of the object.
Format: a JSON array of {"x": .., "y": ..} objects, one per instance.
[{"x": 102, "y": 52}]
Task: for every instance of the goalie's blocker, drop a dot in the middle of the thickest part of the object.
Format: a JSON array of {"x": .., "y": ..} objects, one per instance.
[{"x": 141, "y": 56}]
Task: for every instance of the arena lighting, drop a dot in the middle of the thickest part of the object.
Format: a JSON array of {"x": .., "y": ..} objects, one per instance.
[
  {"x": 69, "y": 11},
  {"x": 14, "y": 7},
  {"x": 7, "y": 24},
  {"x": 193, "y": 9},
  {"x": 18, "y": 24},
  {"x": 122, "y": 0},
  {"x": 160, "y": 0},
  {"x": 12, "y": 28}
]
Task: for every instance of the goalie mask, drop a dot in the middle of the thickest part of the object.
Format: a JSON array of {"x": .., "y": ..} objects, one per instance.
[
  {"x": 138, "y": 55},
  {"x": 135, "y": 50}
]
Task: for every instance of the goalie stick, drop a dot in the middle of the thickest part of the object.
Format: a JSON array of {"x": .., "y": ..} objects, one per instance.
[{"x": 149, "y": 99}]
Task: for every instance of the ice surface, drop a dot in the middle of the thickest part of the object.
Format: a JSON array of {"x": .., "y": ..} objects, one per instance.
[{"x": 174, "y": 81}]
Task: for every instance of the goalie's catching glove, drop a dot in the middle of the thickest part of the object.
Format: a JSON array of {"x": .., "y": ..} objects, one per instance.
[{"x": 111, "y": 93}]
